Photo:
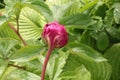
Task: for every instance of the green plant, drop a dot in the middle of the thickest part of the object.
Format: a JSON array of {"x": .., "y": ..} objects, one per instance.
[{"x": 92, "y": 52}]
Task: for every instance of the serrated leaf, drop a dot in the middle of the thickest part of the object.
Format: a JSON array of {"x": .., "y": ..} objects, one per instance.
[
  {"x": 26, "y": 54},
  {"x": 102, "y": 41},
  {"x": 113, "y": 56},
  {"x": 31, "y": 23}
]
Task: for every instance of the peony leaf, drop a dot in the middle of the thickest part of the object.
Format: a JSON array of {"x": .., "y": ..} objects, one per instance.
[
  {"x": 31, "y": 23},
  {"x": 113, "y": 56},
  {"x": 6, "y": 46},
  {"x": 6, "y": 31},
  {"x": 81, "y": 54},
  {"x": 77, "y": 20},
  {"x": 102, "y": 41},
  {"x": 26, "y": 54}
]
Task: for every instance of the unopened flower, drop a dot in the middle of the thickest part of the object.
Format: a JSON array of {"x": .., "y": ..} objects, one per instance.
[{"x": 55, "y": 35}]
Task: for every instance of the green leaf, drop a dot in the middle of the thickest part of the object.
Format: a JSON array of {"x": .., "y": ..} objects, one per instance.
[
  {"x": 6, "y": 72},
  {"x": 113, "y": 56},
  {"x": 40, "y": 7},
  {"x": 56, "y": 2},
  {"x": 26, "y": 53},
  {"x": 100, "y": 9},
  {"x": 17, "y": 9},
  {"x": 55, "y": 64},
  {"x": 77, "y": 19},
  {"x": 115, "y": 33},
  {"x": 13, "y": 7},
  {"x": 88, "y": 4},
  {"x": 9, "y": 1},
  {"x": 6, "y": 31},
  {"x": 59, "y": 10},
  {"x": 117, "y": 12},
  {"x": 87, "y": 39},
  {"x": 3, "y": 67},
  {"x": 31, "y": 23},
  {"x": 102, "y": 41},
  {"x": 9, "y": 6},
  {"x": 86, "y": 51},
  {"x": 31, "y": 17},
  {"x": 81, "y": 54},
  {"x": 73, "y": 8},
  {"x": 17, "y": 74},
  {"x": 6, "y": 46},
  {"x": 33, "y": 66},
  {"x": 81, "y": 6},
  {"x": 63, "y": 8},
  {"x": 81, "y": 73},
  {"x": 2, "y": 19},
  {"x": 109, "y": 18},
  {"x": 68, "y": 75}
]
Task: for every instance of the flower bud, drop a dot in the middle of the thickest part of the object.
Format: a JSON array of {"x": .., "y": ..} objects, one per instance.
[{"x": 55, "y": 35}]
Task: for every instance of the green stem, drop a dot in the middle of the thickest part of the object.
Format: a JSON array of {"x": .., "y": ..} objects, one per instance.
[
  {"x": 16, "y": 31},
  {"x": 46, "y": 62},
  {"x": 17, "y": 24},
  {"x": 3, "y": 72}
]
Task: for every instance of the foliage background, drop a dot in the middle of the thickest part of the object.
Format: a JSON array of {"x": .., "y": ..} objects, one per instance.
[{"x": 93, "y": 50}]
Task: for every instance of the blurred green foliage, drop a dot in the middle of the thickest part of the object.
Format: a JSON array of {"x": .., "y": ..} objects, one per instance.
[{"x": 92, "y": 52}]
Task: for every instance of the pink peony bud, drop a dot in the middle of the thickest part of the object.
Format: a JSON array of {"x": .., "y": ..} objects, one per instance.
[{"x": 55, "y": 35}]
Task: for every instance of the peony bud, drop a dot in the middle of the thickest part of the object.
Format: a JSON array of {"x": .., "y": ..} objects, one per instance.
[{"x": 55, "y": 35}]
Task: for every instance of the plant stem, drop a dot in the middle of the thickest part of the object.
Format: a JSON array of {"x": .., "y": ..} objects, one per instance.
[
  {"x": 45, "y": 62},
  {"x": 17, "y": 18},
  {"x": 16, "y": 31},
  {"x": 17, "y": 24},
  {"x": 0, "y": 14}
]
